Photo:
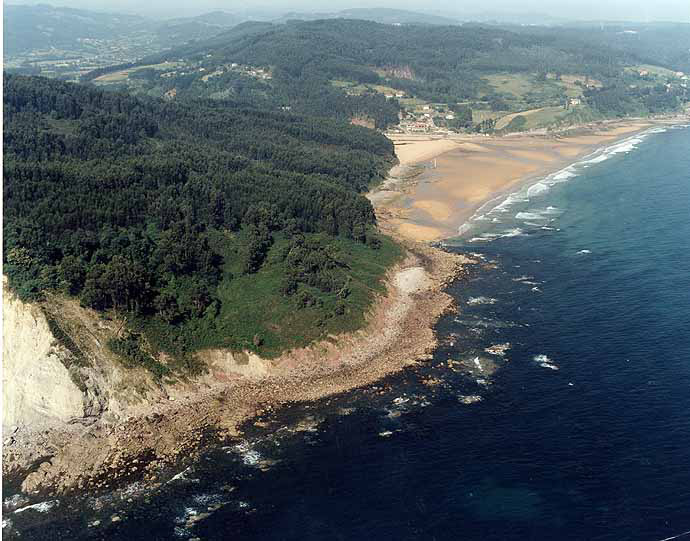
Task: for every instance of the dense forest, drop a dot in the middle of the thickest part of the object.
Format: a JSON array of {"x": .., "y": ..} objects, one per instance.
[
  {"x": 167, "y": 212},
  {"x": 446, "y": 60},
  {"x": 660, "y": 44}
]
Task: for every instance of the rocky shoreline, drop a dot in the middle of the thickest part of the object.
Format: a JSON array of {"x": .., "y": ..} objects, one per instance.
[{"x": 101, "y": 454}]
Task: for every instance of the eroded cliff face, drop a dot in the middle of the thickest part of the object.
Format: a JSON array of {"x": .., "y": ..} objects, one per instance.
[
  {"x": 58, "y": 371},
  {"x": 38, "y": 390}
]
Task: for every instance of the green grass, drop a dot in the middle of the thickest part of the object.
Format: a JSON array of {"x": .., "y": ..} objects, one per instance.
[
  {"x": 123, "y": 75},
  {"x": 657, "y": 71},
  {"x": 357, "y": 88},
  {"x": 253, "y": 306},
  {"x": 536, "y": 118},
  {"x": 479, "y": 115},
  {"x": 516, "y": 84}
]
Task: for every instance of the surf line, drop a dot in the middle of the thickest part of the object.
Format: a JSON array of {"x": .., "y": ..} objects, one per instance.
[{"x": 675, "y": 536}]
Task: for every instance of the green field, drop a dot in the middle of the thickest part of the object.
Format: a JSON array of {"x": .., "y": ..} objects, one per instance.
[
  {"x": 656, "y": 71},
  {"x": 536, "y": 118},
  {"x": 123, "y": 75},
  {"x": 517, "y": 85}
]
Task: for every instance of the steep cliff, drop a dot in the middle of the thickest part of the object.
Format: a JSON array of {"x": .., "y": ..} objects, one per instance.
[
  {"x": 38, "y": 388},
  {"x": 57, "y": 370}
]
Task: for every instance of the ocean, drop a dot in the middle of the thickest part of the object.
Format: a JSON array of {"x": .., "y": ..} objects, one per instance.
[{"x": 557, "y": 405}]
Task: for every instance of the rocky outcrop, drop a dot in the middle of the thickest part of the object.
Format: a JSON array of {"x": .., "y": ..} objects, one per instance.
[{"x": 38, "y": 389}]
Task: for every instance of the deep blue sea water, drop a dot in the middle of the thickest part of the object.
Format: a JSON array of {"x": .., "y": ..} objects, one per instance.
[{"x": 583, "y": 432}]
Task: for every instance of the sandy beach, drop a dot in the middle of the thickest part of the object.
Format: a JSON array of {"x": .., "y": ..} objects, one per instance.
[{"x": 440, "y": 183}]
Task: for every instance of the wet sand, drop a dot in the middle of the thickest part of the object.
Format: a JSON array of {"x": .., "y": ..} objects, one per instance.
[{"x": 440, "y": 183}]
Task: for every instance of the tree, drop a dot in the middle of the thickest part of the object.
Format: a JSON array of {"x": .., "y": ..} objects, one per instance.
[{"x": 72, "y": 271}]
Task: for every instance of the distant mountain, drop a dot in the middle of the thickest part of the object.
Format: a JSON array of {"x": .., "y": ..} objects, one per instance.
[
  {"x": 43, "y": 27},
  {"x": 175, "y": 31},
  {"x": 506, "y": 17},
  {"x": 218, "y": 18},
  {"x": 377, "y": 15},
  {"x": 395, "y": 16},
  {"x": 663, "y": 44}
]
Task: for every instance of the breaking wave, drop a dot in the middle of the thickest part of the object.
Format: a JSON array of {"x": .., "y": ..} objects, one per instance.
[
  {"x": 499, "y": 206},
  {"x": 42, "y": 507},
  {"x": 544, "y": 361}
]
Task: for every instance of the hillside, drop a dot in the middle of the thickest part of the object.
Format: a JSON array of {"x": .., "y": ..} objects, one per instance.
[
  {"x": 44, "y": 27},
  {"x": 200, "y": 226},
  {"x": 432, "y": 78},
  {"x": 64, "y": 43}
]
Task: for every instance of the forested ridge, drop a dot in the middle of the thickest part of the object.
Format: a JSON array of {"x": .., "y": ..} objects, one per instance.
[
  {"x": 440, "y": 64},
  {"x": 155, "y": 209},
  {"x": 444, "y": 61}
]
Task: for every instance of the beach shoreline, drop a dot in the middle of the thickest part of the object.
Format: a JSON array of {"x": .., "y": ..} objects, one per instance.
[{"x": 440, "y": 184}]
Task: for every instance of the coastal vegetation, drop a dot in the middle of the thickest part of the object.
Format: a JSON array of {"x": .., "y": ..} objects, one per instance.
[{"x": 199, "y": 225}]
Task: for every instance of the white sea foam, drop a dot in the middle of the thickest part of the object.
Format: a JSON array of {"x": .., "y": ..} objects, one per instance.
[
  {"x": 473, "y": 301},
  {"x": 42, "y": 507},
  {"x": 15, "y": 501},
  {"x": 464, "y": 228},
  {"x": 538, "y": 188},
  {"x": 477, "y": 364},
  {"x": 515, "y": 232},
  {"x": 208, "y": 499},
  {"x": 469, "y": 399},
  {"x": 250, "y": 456},
  {"x": 187, "y": 513},
  {"x": 498, "y": 349},
  {"x": 545, "y": 362},
  {"x": 508, "y": 202},
  {"x": 564, "y": 174},
  {"x": 529, "y": 216},
  {"x": 486, "y": 237}
]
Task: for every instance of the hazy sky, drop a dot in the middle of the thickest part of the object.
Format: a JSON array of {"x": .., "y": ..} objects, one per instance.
[{"x": 641, "y": 10}]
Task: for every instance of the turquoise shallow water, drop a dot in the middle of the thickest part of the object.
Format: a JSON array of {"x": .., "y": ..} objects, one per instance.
[{"x": 583, "y": 432}]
